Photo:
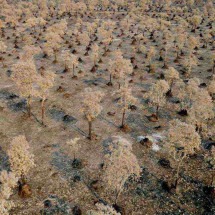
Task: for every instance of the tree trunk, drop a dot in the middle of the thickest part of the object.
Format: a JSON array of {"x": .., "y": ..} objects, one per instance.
[
  {"x": 177, "y": 174},
  {"x": 29, "y": 106},
  {"x": 123, "y": 119},
  {"x": 65, "y": 67},
  {"x": 171, "y": 85},
  {"x": 90, "y": 130},
  {"x": 110, "y": 78},
  {"x": 43, "y": 110},
  {"x": 23, "y": 180},
  {"x": 55, "y": 57},
  {"x": 150, "y": 67},
  {"x": 157, "y": 110},
  {"x": 94, "y": 62},
  {"x": 213, "y": 69},
  {"x": 117, "y": 196},
  {"x": 73, "y": 69}
]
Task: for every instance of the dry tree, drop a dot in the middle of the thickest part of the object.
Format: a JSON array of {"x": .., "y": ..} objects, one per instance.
[
  {"x": 3, "y": 48},
  {"x": 157, "y": 94},
  {"x": 70, "y": 61},
  {"x": 58, "y": 28},
  {"x": 66, "y": 58},
  {"x": 201, "y": 110},
  {"x": 126, "y": 100},
  {"x": 180, "y": 43},
  {"x": 168, "y": 42},
  {"x": 91, "y": 5},
  {"x": 186, "y": 92},
  {"x": 24, "y": 75},
  {"x": 74, "y": 146},
  {"x": 80, "y": 8},
  {"x": 150, "y": 55},
  {"x": 192, "y": 42},
  {"x": 91, "y": 106},
  {"x": 189, "y": 63},
  {"x": 20, "y": 158},
  {"x": 8, "y": 181},
  {"x": 44, "y": 84},
  {"x": 52, "y": 44},
  {"x": 105, "y": 37},
  {"x": 211, "y": 87},
  {"x": 74, "y": 63},
  {"x": 28, "y": 52},
  {"x": 2, "y": 26},
  {"x": 112, "y": 66},
  {"x": 171, "y": 75},
  {"x": 32, "y": 23},
  {"x": 83, "y": 39},
  {"x": 213, "y": 62},
  {"x": 41, "y": 22},
  {"x": 119, "y": 165},
  {"x": 95, "y": 54},
  {"x": 119, "y": 68},
  {"x": 182, "y": 141},
  {"x": 91, "y": 27},
  {"x": 105, "y": 4},
  {"x": 195, "y": 21},
  {"x": 206, "y": 37}
]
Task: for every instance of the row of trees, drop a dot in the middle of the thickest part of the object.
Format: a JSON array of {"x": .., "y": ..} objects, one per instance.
[{"x": 119, "y": 164}]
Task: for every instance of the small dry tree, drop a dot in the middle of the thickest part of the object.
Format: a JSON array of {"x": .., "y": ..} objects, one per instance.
[
  {"x": 168, "y": 43},
  {"x": 70, "y": 61},
  {"x": 105, "y": 37},
  {"x": 213, "y": 62},
  {"x": 28, "y": 52},
  {"x": 171, "y": 75},
  {"x": 44, "y": 84},
  {"x": 74, "y": 64},
  {"x": 180, "y": 40},
  {"x": 74, "y": 146},
  {"x": 182, "y": 140},
  {"x": 58, "y": 28},
  {"x": 186, "y": 92},
  {"x": 119, "y": 68},
  {"x": 157, "y": 94},
  {"x": 195, "y": 21},
  {"x": 83, "y": 39},
  {"x": 20, "y": 158},
  {"x": 31, "y": 23},
  {"x": 119, "y": 165},
  {"x": 201, "y": 110},
  {"x": 211, "y": 87},
  {"x": 112, "y": 66},
  {"x": 125, "y": 101},
  {"x": 24, "y": 75},
  {"x": 91, "y": 106},
  {"x": 8, "y": 181},
  {"x": 207, "y": 37},
  {"x": 3, "y": 48},
  {"x": 53, "y": 44},
  {"x": 95, "y": 54},
  {"x": 41, "y": 22},
  {"x": 150, "y": 55},
  {"x": 189, "y": 63},
  {"x": 192, "y": 42}
]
